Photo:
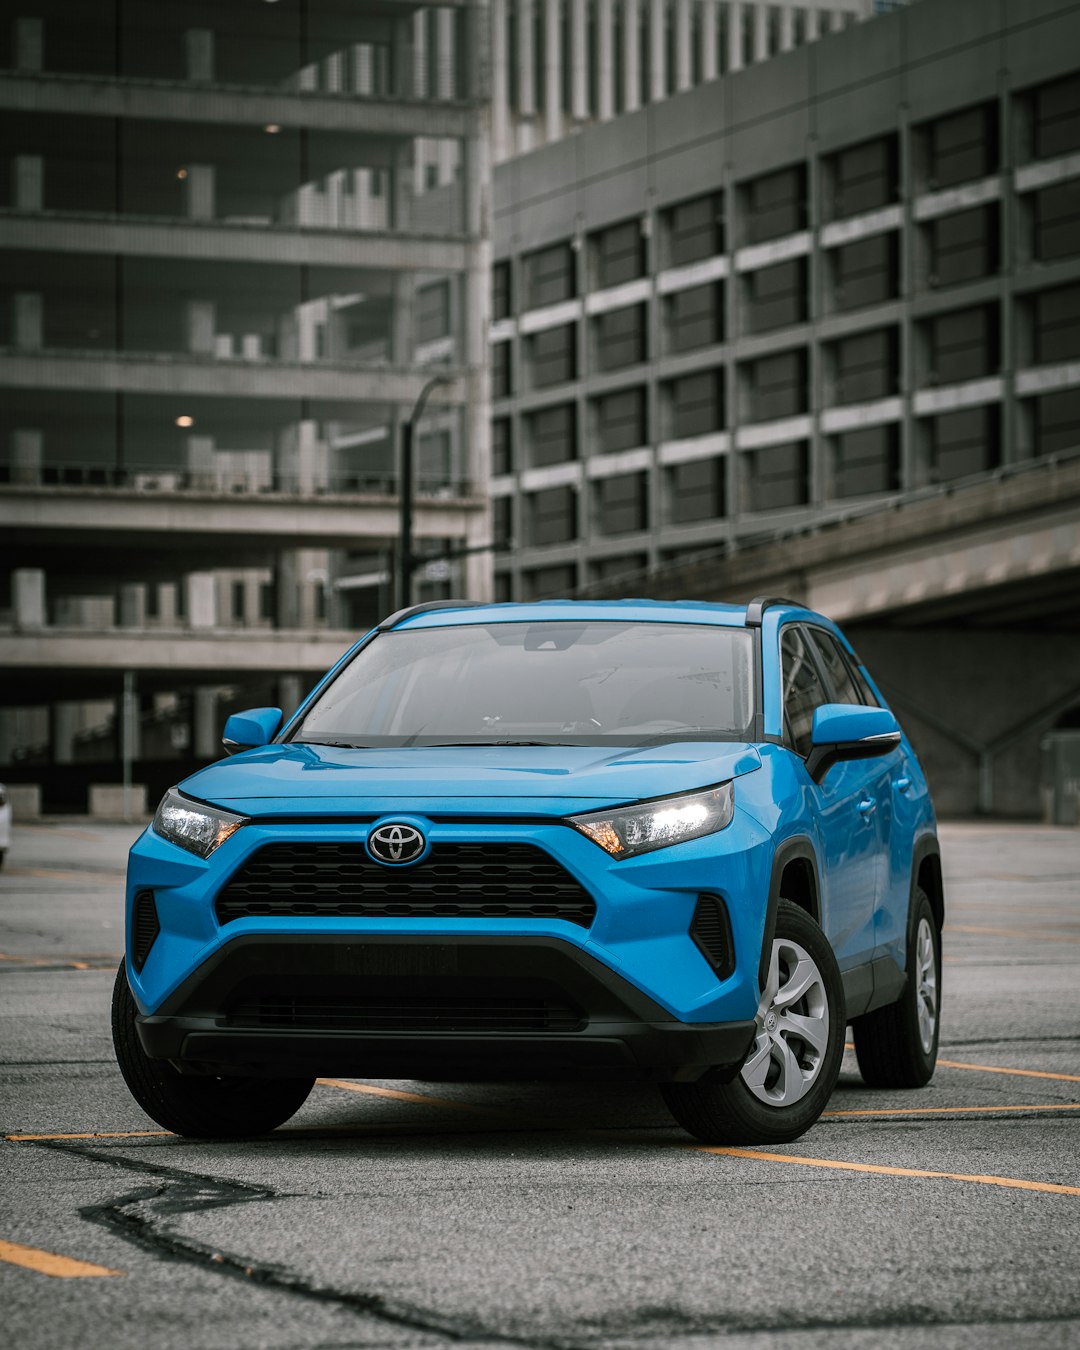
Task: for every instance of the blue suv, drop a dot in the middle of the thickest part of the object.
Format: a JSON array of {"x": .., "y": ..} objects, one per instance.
[{"x": 678, "y": 841}]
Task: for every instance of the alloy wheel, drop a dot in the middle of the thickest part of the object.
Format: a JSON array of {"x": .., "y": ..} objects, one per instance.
[{"x": 792, "y": 1028}]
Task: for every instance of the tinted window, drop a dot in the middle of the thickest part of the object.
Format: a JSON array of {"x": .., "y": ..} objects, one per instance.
[
  {"x": 582, "y": 682},
  {"x": 844, "y": 689},
  {"x": 802, "y": 690}
]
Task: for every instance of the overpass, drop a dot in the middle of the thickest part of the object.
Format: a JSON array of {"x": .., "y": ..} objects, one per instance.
[{"x": 963, "y": 600}]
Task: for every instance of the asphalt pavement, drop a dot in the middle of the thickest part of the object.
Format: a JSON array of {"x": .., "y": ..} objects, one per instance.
[{"x": 410, "y": 1214}]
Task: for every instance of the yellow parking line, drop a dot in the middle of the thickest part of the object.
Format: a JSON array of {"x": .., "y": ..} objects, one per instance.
[
  {"x": 96, "y": 1134},
  {"x": 49, "y": 1263},
  {"x": 53, "y": 874},
  {"x": 70, "y": 962},
  {"x": 1019, "y": 1073},
  {"x": 397, "y": 1095},
  {"x": 879, "y": 1169},
  {"x": 1033, "y": 934},
  {"x": 952, "y": 1110}
]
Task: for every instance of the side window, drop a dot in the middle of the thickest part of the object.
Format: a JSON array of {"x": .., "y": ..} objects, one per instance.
[
  {"x": 802, "y": 690},
  {"x": 837, "y": 670}
]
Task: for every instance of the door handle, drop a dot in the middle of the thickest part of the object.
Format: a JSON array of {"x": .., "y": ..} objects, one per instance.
[
  {"x": 902, "y": 784},
  {"x": 867, "y": 807}
]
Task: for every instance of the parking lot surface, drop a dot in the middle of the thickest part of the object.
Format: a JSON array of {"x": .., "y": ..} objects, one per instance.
[{"x": 400, "y": 1214}]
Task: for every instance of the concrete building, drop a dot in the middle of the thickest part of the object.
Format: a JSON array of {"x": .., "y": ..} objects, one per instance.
[
  {"x": 849, "y": 272},
  {"x": 227, "y": 271}
]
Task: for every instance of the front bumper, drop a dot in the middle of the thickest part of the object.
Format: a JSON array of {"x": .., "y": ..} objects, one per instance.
[{"x": 470, "y": 1008}]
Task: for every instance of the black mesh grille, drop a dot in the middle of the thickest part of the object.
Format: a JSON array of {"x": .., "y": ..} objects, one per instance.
[
  {"x": 144, "y": 928},
  {"x": 403, "y": 1013},
  {"x": 711, "y": 930},
  {"x": 482, "y": 881}
]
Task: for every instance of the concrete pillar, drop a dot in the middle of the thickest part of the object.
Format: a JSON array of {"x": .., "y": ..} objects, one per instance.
[
  {"x": 27, "y": 321},
  {"x": 401, "y": 60},
  {"x": 526, "y": 86},
  {"x": 205, "y": 732},
  {"x": 445, "y": 57},
  {"x": 27, "y": 455},
  {"x": 421, "y": 87},
  {"x": 200, "y": 322},
  {"x": 500, "y": 88},
  {"x": 65, "y": 724},
  {"x": 133, "y": 605},
  {"x": 579, "y": 59},
  {"x": 28, "y": 183},
  {"x": 631, "y": 56},
  {"x": 199, "y": 462},
  {"x": 28, "y": 597},
  {"x": 837, "y": 20},
  {"x": 657, "y": 50},
  {"x": 201, "y": 590},
  {"x": 302, "y": 459},
  {"x": 287, "y": 589},
  {"x": 710, "y": 65},
  {"x": 199, "y": 50},
  {"x": 813, "y": 19},
  {"x": 787, "y": 27},
  {"x": 553, "y": 62},
  {"x": 28, "y": 43},
  {"x": 735, "y": 37},
  {"x": 684, "y": 64},
  {"x": 198, "y": 183},
  {"x": 761, "y": 32},
  {"x": 290, "y": 691},
  {"x": 605, "y": 60}
]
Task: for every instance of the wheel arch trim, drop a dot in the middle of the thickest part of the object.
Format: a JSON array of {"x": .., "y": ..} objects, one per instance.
[{"x": 797, "y": 849}]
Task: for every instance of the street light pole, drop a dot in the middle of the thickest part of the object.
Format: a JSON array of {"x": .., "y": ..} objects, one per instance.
[{"x": 406, "y": 559}]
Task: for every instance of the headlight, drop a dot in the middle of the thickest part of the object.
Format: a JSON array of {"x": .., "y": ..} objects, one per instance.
[
  {"x": 667, "y": 820},
  {"x": 199, "y": 829}
]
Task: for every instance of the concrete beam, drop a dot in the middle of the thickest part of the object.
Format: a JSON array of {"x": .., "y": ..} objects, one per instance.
[
  {"x": 33, "y": 516},
  {"x": 177, "y": 375},
  {"x": 218, "y": 655},
  {"x": 219, "y": 242},
  {"x": 183, "y": 101}
]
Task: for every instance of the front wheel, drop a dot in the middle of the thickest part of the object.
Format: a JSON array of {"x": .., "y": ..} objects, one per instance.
[
  {"x": 897, "y": 1046},
  {"x": 791, "y": 1070},
  {"x": 188, "y": 1104}
]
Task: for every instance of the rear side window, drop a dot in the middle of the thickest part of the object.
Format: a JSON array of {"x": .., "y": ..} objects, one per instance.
[{"x": 803, "y": 690}]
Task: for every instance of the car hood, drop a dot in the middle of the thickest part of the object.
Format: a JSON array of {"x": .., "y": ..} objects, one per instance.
[{"x": 321, "y": 778}]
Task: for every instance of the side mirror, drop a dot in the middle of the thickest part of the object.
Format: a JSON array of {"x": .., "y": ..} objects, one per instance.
[
  {"x": 844, "y": 731},
  {"x": 246, "y": 730}
]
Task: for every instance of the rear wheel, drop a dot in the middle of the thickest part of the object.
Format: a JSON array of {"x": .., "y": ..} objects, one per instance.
[
  {"x": 188, "y": 1104},
  {"x": 789, "y": 1074},
  {"x": 896, "y": 1046}
]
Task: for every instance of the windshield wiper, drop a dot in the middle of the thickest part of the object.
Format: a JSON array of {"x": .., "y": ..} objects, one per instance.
[
  {"x": 453, "y": 745},
  {"x": 338, "y": 745}
]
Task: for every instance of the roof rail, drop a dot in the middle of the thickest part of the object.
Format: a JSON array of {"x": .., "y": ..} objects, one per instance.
[
  {"x": 755, "y": 610},
  {"x": 410, "y": 610}
]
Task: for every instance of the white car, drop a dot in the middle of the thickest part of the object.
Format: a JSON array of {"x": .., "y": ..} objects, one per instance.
[{"x": 5, "y": 823}]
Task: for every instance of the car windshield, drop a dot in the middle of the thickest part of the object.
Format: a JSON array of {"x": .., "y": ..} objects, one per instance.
[{"x": 552, "y": 682}]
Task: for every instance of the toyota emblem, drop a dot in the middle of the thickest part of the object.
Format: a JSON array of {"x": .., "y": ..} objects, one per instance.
[{"x": 396, "y": 843}]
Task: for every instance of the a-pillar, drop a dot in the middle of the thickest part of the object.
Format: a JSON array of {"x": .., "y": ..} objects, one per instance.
[
  {"x": 28, "y": 597},
  {"x": 27, "y": 454},
  {"x": 201, "y": 596},
  {"x": 28, "y": 182},
  {"x": 28, "y": 43},
  {"x": 735, "y": 35},
  {"x": 27, "y": 321},
  {"x": 199, "y": 50},
  {"x": 198, "y": 185},
  {"x": 205, "y": 732},
  {"x": 64, "y": 725}
]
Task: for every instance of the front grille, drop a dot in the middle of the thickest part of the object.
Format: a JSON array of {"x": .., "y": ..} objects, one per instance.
[
  {"x": 328, "y": 1012},
  {"x": 470, "y": 881},
  {"x": 145, "y": 927}
]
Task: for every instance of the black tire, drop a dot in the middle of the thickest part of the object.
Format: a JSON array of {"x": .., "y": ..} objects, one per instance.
[
  {"x": 735, "y": 1113},
  {"x": 889, "y": 1042},
  {"x": 193, "y": 1105}
]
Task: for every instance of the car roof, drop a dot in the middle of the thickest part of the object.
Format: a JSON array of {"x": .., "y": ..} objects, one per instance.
[{"x": 448, "y": 613}]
